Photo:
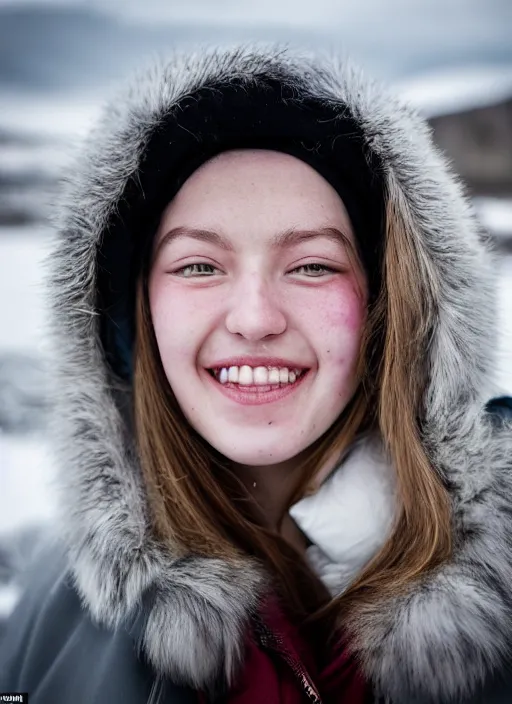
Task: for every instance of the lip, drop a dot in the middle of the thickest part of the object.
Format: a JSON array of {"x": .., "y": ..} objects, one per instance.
[
  {"x": 257, "y": 362},
  {"x": 255, "y": 397}
]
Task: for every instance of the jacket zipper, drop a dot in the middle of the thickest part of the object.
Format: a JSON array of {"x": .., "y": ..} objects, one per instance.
[{"x": 269, "y": 640}]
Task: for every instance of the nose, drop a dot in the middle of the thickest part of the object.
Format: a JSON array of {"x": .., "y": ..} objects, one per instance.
[{"x": 254, "y": 312}]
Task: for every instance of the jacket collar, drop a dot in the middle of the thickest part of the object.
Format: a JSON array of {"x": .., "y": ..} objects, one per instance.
[{"x": 351, "y": 515}]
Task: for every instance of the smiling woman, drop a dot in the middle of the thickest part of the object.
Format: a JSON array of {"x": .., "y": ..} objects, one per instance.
[
  {"x": 281, "y": 477},
  {"x": 258, "y": 302}
]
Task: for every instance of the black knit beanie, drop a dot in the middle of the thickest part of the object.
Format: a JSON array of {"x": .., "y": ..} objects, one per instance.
[{"x": 350, "y": 185}]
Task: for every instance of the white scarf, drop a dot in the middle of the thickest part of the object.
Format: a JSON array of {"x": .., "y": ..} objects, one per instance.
[{"x": 351, "y": 515}]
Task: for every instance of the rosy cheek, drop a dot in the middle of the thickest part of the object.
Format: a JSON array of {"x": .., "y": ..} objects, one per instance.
[
  {"x": 170, "y": 303},
  {"x": 353, "y": 313},
  {"x": 167, "y": 310},
  {"x": 342, "y": 306},
  {"x": 180, "y": 319}
]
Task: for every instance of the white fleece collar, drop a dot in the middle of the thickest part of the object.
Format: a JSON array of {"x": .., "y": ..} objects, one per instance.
[{"x": 350, "y": 517}]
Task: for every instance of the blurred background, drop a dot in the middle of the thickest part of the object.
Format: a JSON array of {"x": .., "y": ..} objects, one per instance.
[{"x": 59, "y": 60}]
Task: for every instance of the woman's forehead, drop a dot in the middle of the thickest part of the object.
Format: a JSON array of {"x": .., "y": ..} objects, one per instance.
[
  {"x": 254, "y": 168},
  {"x": 256, "y": 192}
]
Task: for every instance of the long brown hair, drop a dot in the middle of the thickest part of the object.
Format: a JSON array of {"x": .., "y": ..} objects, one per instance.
[{"x": 199, "y": 506}]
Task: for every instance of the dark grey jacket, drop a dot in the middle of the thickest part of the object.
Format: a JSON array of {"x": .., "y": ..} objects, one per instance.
[
  {"x": 185, "y": 617},
  {"x": 51, "y": 648}
]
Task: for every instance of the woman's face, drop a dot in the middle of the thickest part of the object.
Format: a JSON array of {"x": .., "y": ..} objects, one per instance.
[{"x": 255, "y": 276}]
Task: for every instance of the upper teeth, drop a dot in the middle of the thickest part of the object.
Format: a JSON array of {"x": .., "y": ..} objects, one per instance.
[{"x": 248, "y": 376}]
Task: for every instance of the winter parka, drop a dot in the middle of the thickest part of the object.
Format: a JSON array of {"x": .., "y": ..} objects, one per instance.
[{"x": 110, "y": 614}]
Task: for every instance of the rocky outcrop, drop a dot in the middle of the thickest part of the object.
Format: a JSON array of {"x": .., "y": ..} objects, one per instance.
[{"x": 479, "y": 141}]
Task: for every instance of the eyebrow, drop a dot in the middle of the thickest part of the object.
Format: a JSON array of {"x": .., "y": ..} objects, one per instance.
[{"x": 282, "y": 240}]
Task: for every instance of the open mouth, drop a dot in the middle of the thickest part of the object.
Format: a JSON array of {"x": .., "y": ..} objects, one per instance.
[
  {"x": 259, "y": 379},
  {"x": 268, "y": 385}
]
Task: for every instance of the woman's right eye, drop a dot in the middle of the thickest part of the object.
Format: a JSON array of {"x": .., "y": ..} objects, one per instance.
[{"x": 200, "y": 269}]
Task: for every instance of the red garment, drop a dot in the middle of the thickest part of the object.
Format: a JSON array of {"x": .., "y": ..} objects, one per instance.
[{"x": 282, "y": 670}]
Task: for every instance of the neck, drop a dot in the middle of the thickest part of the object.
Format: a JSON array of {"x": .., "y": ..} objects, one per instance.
[{"x": 271, "y": 487}]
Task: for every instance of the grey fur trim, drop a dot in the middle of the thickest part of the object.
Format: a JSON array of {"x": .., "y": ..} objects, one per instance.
[{"x": 452, "y": 627}]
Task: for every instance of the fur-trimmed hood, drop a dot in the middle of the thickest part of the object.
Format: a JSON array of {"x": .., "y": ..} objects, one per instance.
[{"x": 452, "y": 627}]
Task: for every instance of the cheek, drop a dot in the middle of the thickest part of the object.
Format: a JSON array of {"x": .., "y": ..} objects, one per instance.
[
  {"x": 345, "y": 309},
  {"x": 336, "y": 316},
  {"x": 176, "y": 321}
]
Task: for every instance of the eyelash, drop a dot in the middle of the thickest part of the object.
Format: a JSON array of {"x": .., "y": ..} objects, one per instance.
[{"x": 323, "y": 267}]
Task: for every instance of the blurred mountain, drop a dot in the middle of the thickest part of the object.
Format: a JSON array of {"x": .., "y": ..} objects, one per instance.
[
  {"x": 470, "y": 110},
  {"x": 479, "y": 143}
]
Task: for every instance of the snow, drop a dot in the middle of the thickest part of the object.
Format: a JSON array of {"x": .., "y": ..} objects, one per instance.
[
  {"x": 55, "y": 117},
  {"x": 26, "y": 474},
  {"x": 496, "y": 215},
  {"x": 22, "y": 313},
  {"x": 33, "y": 159},
  {"x": 25, "y": 465},
  {"x": 454, "y": 90}
]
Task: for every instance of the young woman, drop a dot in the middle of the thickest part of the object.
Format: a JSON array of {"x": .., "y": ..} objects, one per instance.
[{"x": 281, "y": 477}]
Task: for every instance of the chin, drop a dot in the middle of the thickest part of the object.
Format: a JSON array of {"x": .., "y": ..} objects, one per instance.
[{"x": 253, "y": 456}]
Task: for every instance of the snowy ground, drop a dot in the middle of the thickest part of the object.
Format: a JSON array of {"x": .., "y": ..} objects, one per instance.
[
  {"x": 496, "y": 215},
  {"x": 25, "y": 466}
]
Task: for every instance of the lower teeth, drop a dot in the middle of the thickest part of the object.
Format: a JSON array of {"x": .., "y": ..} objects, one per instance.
[{"x": 259, "y": 386}]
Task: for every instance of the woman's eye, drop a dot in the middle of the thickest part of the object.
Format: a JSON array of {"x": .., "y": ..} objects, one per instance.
[
  {"x": 201, "y": 269},
  {"x": 315, "y": 270}
]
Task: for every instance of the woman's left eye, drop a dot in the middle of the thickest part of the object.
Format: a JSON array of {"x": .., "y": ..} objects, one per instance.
[
  {"x": 316, "y": 269},
  {"x": 195, "y": 270}
]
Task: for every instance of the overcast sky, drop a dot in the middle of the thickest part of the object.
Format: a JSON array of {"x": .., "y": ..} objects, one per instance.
[
  {"x": 390, "y": 38},
  {"x": 473, "y": 16}
]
